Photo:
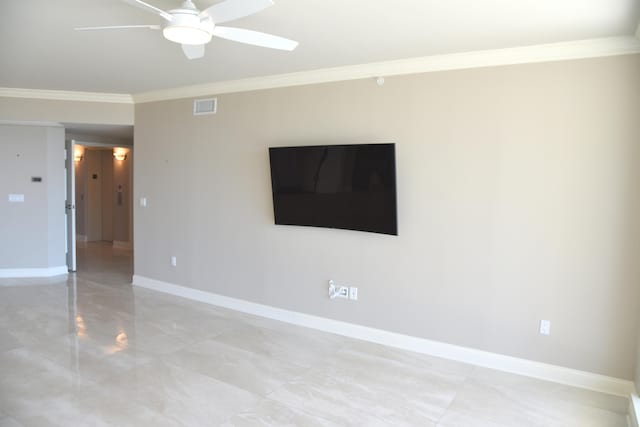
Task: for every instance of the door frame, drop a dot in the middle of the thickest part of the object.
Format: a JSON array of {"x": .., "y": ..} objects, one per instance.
[
  {"x": 70, "y": 204},
  {"x": 70, "y": 196}
]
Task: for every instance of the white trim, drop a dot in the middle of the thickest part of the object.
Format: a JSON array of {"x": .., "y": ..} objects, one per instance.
[
  {"x": 102, "y": 144},
  {"x": 472, "y": 356},
  {"x": 33, "y": 272},
  {"x": 486, "y": 58},
  {"x": 591, "y": 48},
  {"x": 27, "y": 123},
  {"x": 63, "y": 95},
  {"x": 634, "y": 410},
  {"x": 81, "y": 238},
  {"x": 121, "y": 244}
]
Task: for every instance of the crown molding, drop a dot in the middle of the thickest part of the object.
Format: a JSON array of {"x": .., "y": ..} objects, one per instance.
[
  {"x": 62, "y": 95},
  {"x": 580, "y": 49},
  {"x": 26, "y": 123}
]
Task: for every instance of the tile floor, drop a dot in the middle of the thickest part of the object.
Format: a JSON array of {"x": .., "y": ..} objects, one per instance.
[{"x": 91, "y": 350}]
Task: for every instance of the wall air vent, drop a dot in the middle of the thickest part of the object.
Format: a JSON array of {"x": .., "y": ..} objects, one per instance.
[{"x": 205, "y": 106}]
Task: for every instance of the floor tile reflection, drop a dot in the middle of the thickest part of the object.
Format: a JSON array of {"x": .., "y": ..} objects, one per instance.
[{"x": 91, "y": 350}]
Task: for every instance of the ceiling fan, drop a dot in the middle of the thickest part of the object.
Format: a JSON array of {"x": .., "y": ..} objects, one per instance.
[{"x": 193, "y": 28}]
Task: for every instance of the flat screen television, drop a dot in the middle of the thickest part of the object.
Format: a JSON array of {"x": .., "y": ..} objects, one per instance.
[{"x": 350, "y": 187}]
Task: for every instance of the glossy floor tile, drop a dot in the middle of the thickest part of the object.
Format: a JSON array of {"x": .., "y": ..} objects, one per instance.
[{"x": 90, "y": 350}]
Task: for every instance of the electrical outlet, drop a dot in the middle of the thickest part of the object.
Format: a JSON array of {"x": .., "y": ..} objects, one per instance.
[
  {"x": 545, "y": 327},
  {"x": 353, "y": 293},
  {"x": 174, "y": 261},
  {"x": 338, "y": 291},
  {"x": 343, "y": 292}
]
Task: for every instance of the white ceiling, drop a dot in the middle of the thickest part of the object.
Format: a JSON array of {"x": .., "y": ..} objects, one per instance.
[{"x": 40, "y": 50}]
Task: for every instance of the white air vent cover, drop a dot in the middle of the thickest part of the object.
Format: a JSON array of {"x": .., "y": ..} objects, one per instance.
[{"x": 205, "y": 106}]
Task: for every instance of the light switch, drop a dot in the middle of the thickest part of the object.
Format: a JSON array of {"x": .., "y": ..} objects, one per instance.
[
  {"x": 16, "y": 198},
  {"x": 143, "y": 202},
  {"x": 545, "y": 327}
]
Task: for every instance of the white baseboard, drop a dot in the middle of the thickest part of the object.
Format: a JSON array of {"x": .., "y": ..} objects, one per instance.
[
  {"x": 81, "y": 238},
  {"x": 558, "y": 374},
  {"x": 33, "y": 272},
  {"x": 121, "y": 244}
]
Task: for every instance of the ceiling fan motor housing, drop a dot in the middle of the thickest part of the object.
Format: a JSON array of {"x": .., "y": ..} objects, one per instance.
[{"x": 186, "y": 27}]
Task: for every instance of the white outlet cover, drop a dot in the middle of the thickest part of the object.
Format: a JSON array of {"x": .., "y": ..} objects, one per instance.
[
  {"x": 353, "y": 293},
  {"x": 545, "y": 327},
  {"x": 343, "y": 292}
]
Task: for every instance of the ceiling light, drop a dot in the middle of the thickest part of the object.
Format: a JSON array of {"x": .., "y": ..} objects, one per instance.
[
  {"x": 186, "y": 35},
  {"x": 186, "y": 28}
]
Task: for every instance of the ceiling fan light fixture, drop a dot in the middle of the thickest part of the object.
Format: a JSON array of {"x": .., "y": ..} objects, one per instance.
[
  {"x": 186, "y": 28},
  {"x": 186, "y": 35}
]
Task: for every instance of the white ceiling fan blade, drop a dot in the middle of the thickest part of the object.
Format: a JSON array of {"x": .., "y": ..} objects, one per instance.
[
  {"x": 118, "y": 27},
  {"x": 193, "y": 51},
  {"x": 255, "y": 38},
  {"x": 229, "y": 10},
  {"x": 150, "y": 8}
]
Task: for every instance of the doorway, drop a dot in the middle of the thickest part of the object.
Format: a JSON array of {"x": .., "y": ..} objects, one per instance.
[
  {"x": 103, "y": 195},
  {"x": 103, "y": 210},
  {"x": 100, "y": 201}
]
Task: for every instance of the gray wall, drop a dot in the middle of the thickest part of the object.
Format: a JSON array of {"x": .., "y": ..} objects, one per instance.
[
  {"x": 122, "y": 206},
  {"x": 94, "y": 186},
  {"x": 32, "y": 233},
  {"x": 518, "y": 201},
  {"x": 108, "y": 194},
  {"x": 81, "y": 195}
]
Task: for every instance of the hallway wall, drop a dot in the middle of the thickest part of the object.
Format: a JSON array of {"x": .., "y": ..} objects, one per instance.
[
  {"x": 103, "y": 197},
  {"x": 122, "y": 201},
  {"x": 94, "y": 210}
]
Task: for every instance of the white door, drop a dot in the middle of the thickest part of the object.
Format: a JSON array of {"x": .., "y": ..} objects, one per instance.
[{"x": 70, "y": 206}]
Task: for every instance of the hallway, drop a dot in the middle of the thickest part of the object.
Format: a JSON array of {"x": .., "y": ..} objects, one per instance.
[{"x": 102, "y": 263}]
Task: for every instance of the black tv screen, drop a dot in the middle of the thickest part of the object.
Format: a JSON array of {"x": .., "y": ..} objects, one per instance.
[{"x": 351, "y": 187}]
